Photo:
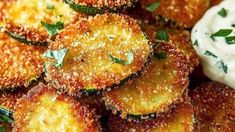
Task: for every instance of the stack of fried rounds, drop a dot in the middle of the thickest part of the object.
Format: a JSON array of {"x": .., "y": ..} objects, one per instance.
[{"x": 91, "y": 66}]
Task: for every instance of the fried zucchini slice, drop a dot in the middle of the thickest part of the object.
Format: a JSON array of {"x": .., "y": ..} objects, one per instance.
[
  {"x": 20, "y": 63},
  {"x": 34, "y": 22},
  {"x": 99, "y": 52},
  {"x": 153, "y": 92},
  {"x": 184, "y": 13},
  {"x": 215, "y": 107},
  {"x": 45, "y": 109},
  {"x": 179, "y": 119},
  {"x": 93, "y": 7},
  {"x": 180, "y": 38}
]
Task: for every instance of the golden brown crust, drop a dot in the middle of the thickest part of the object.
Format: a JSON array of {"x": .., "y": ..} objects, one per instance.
[
  {"x": 43, "y": 100},
  {"x": 184, "y": 12},
  {"x": 178, "y": 37},
  {"x": 105, "y": 4},
  {"x": 165, "y": 81},
  {"x": 178, "y": 119},
  {"x": 181, "y": 38},
  {"x": 87, "y": 64},
  {"x": 20, "y": 63},
  {"x": 215, "y": 107},
  {"x": 23, "y": 18},
  {"x": 9, "y": 99}
]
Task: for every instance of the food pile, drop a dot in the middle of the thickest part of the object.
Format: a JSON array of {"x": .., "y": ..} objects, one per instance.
[{"x": 118, "y": 66}]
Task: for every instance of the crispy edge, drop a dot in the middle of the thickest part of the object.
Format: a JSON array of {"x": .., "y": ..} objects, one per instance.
[
  {"x": 26, "y": 102},
  {"x": 111, "y": 5},
  {"x": 214, "y": 107},
  {"x": 182, "y": 109},
  {"x": 180, "y": 81}
]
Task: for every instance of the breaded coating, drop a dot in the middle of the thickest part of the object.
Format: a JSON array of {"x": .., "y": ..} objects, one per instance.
[
  {"x": 24, "y": 18},
  {"x": 103, "y": 51},
  {"x": 45, "y": 109},
  {"x": 181, "y": 38},
  {"x": 156, "y": 90},
  {"x": 178, "y": 37},
  {"x": 215, "y": 107},
  {"x": 9, "y": 99},
  {"x": 94, "y": 102},
  {"x": 179, "y": 119},
  {"x": 20, "y": 63},
  {"x": 184, "y": 12},
  {"x": 103, "y": 3}
]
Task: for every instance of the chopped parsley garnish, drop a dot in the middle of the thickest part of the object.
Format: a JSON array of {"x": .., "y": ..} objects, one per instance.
[
  {"x": 195, "y": 43},
  {"x": 162, "y": 35},
  {"x": 58, "y": 55},
  {"x": 221, "y": 33},
  {"x": 50, "y": 7},
  {"x": 223, "y": 12},
  {"x": 221, "y": 64},
  {"x": 230, "y": 40},
  {"x": 152, "y": 7},
  {"x": 160, "y": 55},
  {"x": 210, "y": 54},
  {"x": 53, "y": 29},
  {"x": 233, "y": 25},
  {"x": 130, "y": 57}
]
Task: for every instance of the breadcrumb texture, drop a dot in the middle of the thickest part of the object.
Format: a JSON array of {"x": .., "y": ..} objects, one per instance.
[
  {"x": 105, "y": 3},
  {"x": 45, "y": 109},
  {"x": 159, "y": 87},
  {"x": 9, "y": 99},
  {"x": 215, "y": 107},
  {"x": 23, "y": 17},
  {"x": 179, "y": 119},
  {"x": 90, "y": 41},
  {"x": 20, "y": 63},
  {"x": 179, "y": 37},
  {"x": 184, "y": 12}
]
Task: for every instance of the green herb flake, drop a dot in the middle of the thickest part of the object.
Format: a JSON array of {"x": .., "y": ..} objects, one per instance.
[
  {"x": 195, "y": 43},
  {"x": 2, "y": 129},
  {"x": 6, "y": 119},
  {"x": 222, "y": 66},
  {"x": 130, "y": 58},
  {"x": 221, "y": 33},
  {"x": 233, "y": 25},
  {"x": 162, "y": 35},
  {"x": 58, "y": 55},
  {"x": 230, "y": 40},
  {"x": 160, "y": 55},
  {"x": 152, "y": 7},
  {"x": 223, "y": 12},
  {"x": 53, "y": 29},
  {"x": 210, "y": 54},
  {"x": 50, "y": 7}
]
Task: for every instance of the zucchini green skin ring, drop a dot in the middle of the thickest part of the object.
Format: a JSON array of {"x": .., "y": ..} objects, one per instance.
[
  {"x": 85, "y": 9},
  {"x": 24, "y": 40},
  {"x": 6, "y": 112},
  {"x": 93, "y": 10}
]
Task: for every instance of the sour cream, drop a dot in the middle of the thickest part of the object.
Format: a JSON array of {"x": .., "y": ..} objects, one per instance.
[{"x": 213, "y": 38}]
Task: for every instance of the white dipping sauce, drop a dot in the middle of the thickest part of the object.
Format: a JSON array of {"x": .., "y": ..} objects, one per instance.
[{"x": 217, "y": 55}]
